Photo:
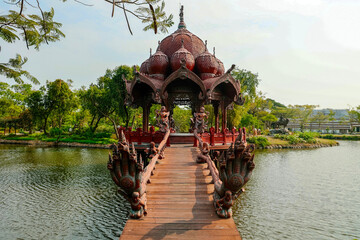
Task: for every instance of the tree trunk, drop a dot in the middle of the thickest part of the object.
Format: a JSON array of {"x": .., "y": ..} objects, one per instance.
[
  {"x": 115, "y": 127},
  {"x": 45, "y": 123},
  {"x": 96, "y": 125},
  {"x": 60, "y": 122},
  {"x": 127, "y": 117},
  {"x": 92, "y": 121},
  {"x": 133, "y": 120}
]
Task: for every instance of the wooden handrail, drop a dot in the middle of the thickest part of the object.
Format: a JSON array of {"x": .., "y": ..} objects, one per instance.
[{"x": 150, "y": 167}]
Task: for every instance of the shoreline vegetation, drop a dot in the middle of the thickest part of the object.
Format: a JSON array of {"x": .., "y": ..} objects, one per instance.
[
  {"x": 293, "y": 141},
  {"x": 283, "y": 144}
]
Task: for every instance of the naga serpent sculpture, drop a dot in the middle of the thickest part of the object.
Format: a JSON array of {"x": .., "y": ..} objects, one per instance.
[
  {"x": 235, "y": 165},
  {"x": 128, "y": 172}
]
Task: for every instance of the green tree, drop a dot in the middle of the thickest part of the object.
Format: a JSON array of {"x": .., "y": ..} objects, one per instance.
[
  {"x": 268, "y": 119},
  {"x": 107, "y": 97},
  {"x": 354, "y": 114},
  {"x": 37, "y": 108},
  {"x": 249, "y": 81},
  {"x": 319, "y": 118},
  {"x": 60, "y": 99},
  {"x": 33, "y": 29},
  {"x": 37, "y": 29},
  {"x": 181, "y": 118},
  {"x": 302, "y": 114},
  {"x": 250, "y": 121},
  {"x": 275, "y": 104},
  {"x": 12, "y": 99},
  {"x": 56, "y": 100},
  {"x": 331, "y": 118}
]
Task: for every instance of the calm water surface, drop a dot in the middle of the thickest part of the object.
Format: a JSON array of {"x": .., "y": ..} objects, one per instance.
[
  {"x": 66, "y": 193},
  {"x": 58, "y": 193},
  {"x": 303, "y": 194}
]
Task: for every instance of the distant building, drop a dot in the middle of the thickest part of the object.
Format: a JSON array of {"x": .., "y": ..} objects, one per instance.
[
  {"x": 341, "y": 124},
  {"x": 337, "y": 127}
]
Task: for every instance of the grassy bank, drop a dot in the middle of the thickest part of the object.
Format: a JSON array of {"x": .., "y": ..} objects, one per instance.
[
  {"x": 296, "y": 140},
  {"x": 62, "y": 139},
  {"x": 341, "y": 137}
]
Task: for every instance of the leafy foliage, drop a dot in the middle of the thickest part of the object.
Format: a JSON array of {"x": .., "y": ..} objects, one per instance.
[
  {"x": 33, "y": 29},
  {"x": 182, "y": 119},
  {"x": 107, "y": 97},
  {"x": 155, "y": 18},
  {"x": 259, "y": 141},
  {"x": 354, "y": 114},
  {"x": 298, "y": 137},
  {"x": 249, "y": 81}
]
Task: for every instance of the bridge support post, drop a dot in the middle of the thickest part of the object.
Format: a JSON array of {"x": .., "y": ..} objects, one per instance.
[{"x": 216, "y": 113}]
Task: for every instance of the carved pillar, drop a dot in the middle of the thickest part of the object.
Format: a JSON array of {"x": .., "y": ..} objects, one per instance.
[
  {"x": 146, "y": 113},
  {"x": 224, "y": 116},
  {"x": 216, "y": 113}
]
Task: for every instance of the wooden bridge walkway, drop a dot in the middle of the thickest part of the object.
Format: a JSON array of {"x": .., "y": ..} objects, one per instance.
[{"x": 180, "y": 202}]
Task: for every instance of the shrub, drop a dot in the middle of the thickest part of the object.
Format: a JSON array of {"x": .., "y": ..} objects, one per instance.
[
  {"x": 293, "y": 139},
  {"x": 259, "y": 141},
  {"x": 54, "y": 132},
  {"x": 308, "y": 135}
]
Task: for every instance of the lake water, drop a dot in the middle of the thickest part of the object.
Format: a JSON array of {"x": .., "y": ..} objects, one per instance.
[{"x": 67, "y": 193}]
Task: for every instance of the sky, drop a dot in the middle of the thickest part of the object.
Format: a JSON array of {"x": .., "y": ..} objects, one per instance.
[{"x": 305, "y": 51}]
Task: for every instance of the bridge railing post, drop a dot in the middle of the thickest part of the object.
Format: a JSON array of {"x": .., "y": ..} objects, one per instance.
[
  {"x": 195, "y": 142},
  {"x": 212, "y": 136}
]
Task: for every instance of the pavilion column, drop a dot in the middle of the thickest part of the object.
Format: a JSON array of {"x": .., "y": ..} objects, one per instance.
[
  {"x": 224, "y": 116},
  {"x": 216, "y": 113},
  {"x": 146, "y": 113}
]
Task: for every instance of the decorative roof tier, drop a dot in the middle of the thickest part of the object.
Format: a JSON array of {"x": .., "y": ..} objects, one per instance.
[
  {"x": 183, "y": 70},
  {"x": 144, "y": 66},
  {"x": 221, "y": 69},
  {"x": 158, "y": 65},
  {"x": 182, "y": 55},
  {"x": 206, "y": 64}
]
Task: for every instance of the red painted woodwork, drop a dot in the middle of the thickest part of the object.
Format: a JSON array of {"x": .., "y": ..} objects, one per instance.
[
  {"x": 206, "y": 65},
  {"x": 221, "y": 69},
  {"x": 178, "y": 56},
  {"x": 158, "y": 65},
  {"x": 144, "y": 67},
  {"x": 140, "y": 137}
]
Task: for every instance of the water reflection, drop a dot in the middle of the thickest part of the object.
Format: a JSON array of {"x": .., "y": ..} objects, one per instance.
[
  {"x": 303, "y": 194},
  {"x": 58, "y": 193},
  {"x": 66, "y": 193}
]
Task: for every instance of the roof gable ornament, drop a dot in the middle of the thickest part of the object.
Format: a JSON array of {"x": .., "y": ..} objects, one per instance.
[{"x": 181, "y": 23}]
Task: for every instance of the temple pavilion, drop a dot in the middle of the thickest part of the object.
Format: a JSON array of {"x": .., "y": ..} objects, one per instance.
[{"x": 183, "y": 72}]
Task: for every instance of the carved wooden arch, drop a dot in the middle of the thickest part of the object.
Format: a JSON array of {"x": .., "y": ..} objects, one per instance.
[
  {"x": 143, "y": 79},
  {"x": 224, "y": 78},
  {"x": 184, "y": 73}
]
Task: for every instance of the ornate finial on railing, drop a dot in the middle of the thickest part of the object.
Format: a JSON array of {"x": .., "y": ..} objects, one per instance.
[
  {"x": 235, "y": 167},
  {"x": 199, "y": 121},
  {"x": 206, "y": 45},
  {"x": 182, "y": 23},
  {"x": 162, "y": 119}
]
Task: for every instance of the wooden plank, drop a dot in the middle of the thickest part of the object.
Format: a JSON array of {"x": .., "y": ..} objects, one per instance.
[{"x": 180, "y": 203}]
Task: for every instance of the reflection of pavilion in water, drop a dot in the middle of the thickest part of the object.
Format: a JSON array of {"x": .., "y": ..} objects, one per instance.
[{"x": 183, "y": 72}]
